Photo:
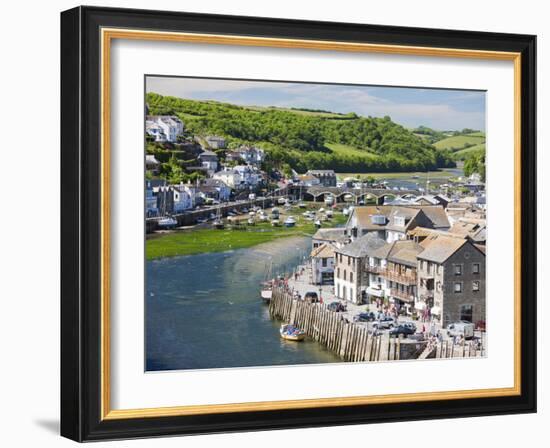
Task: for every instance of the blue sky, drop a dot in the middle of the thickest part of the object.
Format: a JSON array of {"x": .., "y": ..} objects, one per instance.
[{"x": 436, "y": 108}]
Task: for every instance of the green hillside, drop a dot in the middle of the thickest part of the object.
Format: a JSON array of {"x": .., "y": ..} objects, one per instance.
[{"x": 305, "y": 139}]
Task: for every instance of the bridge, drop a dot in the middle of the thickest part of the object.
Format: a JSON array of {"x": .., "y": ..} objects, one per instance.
[{"x": 343, "y": 194}]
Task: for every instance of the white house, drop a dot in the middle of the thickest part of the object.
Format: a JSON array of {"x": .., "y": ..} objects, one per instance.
[
  {"x": 322, "y": 264},
  {"x": 164, "y": 127},
  {"x": 240, "y": 176},
  {"x": 183, "y": 199},
  {"x": 252, "y": 155}
]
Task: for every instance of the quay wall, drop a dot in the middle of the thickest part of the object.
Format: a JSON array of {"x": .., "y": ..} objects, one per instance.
[
  {"x": 353, "y": 342},
  {"x": 189, "y": 218}
]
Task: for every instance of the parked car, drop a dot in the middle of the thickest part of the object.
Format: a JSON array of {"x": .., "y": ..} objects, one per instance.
[
  {"x": 384, "y": 323},
  {"x": 365, "y": 317},
  {"x": 461, "y": 328},
  {"x": 336, "y": 307},
  {"x": 311, "y": 297},
  {"x": 406, "y": 329}
]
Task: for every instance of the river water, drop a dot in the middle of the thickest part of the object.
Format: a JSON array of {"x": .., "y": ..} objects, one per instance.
[{"x": 204, "y": 311}]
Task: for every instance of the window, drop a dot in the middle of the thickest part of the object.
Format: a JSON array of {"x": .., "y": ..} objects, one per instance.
[
  {"x": 324, "y": 262},
  {"x": 349, "y": 258},
  {"x": 338, "y": 290},
  {"x": 458, "y": 287},
  {"x": 475, "y": 268},
  {"x": 458, "y": 269},
  {"x": 345, "y": 274},
  {"x": 338, "y": 274},
  {"x": 475, "y": 285},
  {"x": 467, "y": 313},
  {"x": 351, "y": 276}
]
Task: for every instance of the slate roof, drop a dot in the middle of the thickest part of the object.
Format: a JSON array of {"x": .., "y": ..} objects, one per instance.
[
  {"x": 323, "y": 251},
  {"x": 362, "y": 246},
  {"x": 438, "y": 248},
  {"x": 405, "y": 252},
  {"x": 329, "y": 234}
]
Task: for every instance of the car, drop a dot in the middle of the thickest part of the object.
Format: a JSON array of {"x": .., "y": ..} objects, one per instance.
[
  {"x": 311, "y": 297},
  {"x": 461, "y": 328},
  {"x": 336, "y": 307},
  {"x": 365, "y": 317},
  {"x": 406, "y": 329},
  {"x": 384, "y": 322}
]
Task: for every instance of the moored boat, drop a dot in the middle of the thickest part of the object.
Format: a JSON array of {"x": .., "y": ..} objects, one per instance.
[
  {"x": 167, "y": 222},
  {"x": 291, "y": 333},
  {"x": 290, "y": 221}
]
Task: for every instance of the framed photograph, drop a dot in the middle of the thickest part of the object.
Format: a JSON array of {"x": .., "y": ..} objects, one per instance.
[{"x": 276, "y": 224}]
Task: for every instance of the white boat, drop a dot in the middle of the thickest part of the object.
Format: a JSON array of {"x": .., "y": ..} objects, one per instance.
[
  {"x": 281, "y": 201},
  {"x": 290, "y": 221},
  {"x": 329, "y": 213},
  {"x": 329, "y": 200},
  {"x": 251, "y": 222},
  {"x": 275, "y": 222},
  {"x": 302, "y": 205},
  {"x": 317, "y": 223},
  {"x": 291, "y": 333},
  {"x": 167, "y": 222},
  {"x": 345, "y": 211}
]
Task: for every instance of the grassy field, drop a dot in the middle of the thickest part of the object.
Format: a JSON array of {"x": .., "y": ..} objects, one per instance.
[
  {"x": 346, "y": 150},
  {"x": 199, "y": 241},
  {"x": 458, "y": 142},
  {"x": 463, "y": 153}
]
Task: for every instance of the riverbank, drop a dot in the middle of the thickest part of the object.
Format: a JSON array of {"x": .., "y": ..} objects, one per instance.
[{"x": 199, "y": 241}]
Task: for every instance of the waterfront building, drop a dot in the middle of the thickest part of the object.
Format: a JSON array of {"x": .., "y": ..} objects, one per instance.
[
  {"x": 308, "y": 180},
  {"x": 322, "y": 265},
  {"x": 223, "y": 190},
  {"x": 151, "y": 208},
  {"x": 451, "y": 279},
  {"x": 335, "y": 236},
  {"x": 240, "y": 177},
  {"x": 327, "y": 178},
  {"x": 165, "y": 128},
  {"x": 392, "y": 222},
  {"x": 182, "y": 198},
  {"x": 350, "y": 275}
]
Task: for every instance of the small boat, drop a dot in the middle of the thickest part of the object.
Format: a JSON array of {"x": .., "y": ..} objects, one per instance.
[
  {"x": 290, "y": 221},
  {"x": 281, "y": 201},
  {"x": 345, "y": 211},
  {"x": 275, "y": 222},
  {"x": 302, "y": 205},
  {"x": 329, "y": 200},
  {"x": 218, "y": 224},
  {"x": 317, "y": 223},
  {"x": 329, "y": 213},
  {"x": 251, "y": 222},
  {"x": 291, "y": 333},
  {"x": 167, "y": 222}
]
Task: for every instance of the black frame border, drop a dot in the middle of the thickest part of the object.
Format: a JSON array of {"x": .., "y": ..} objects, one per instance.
[{"x": 81, "y": 223}]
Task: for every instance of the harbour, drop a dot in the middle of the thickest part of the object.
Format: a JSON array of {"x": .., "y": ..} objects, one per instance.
[{"x": 200, "y": 307}]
